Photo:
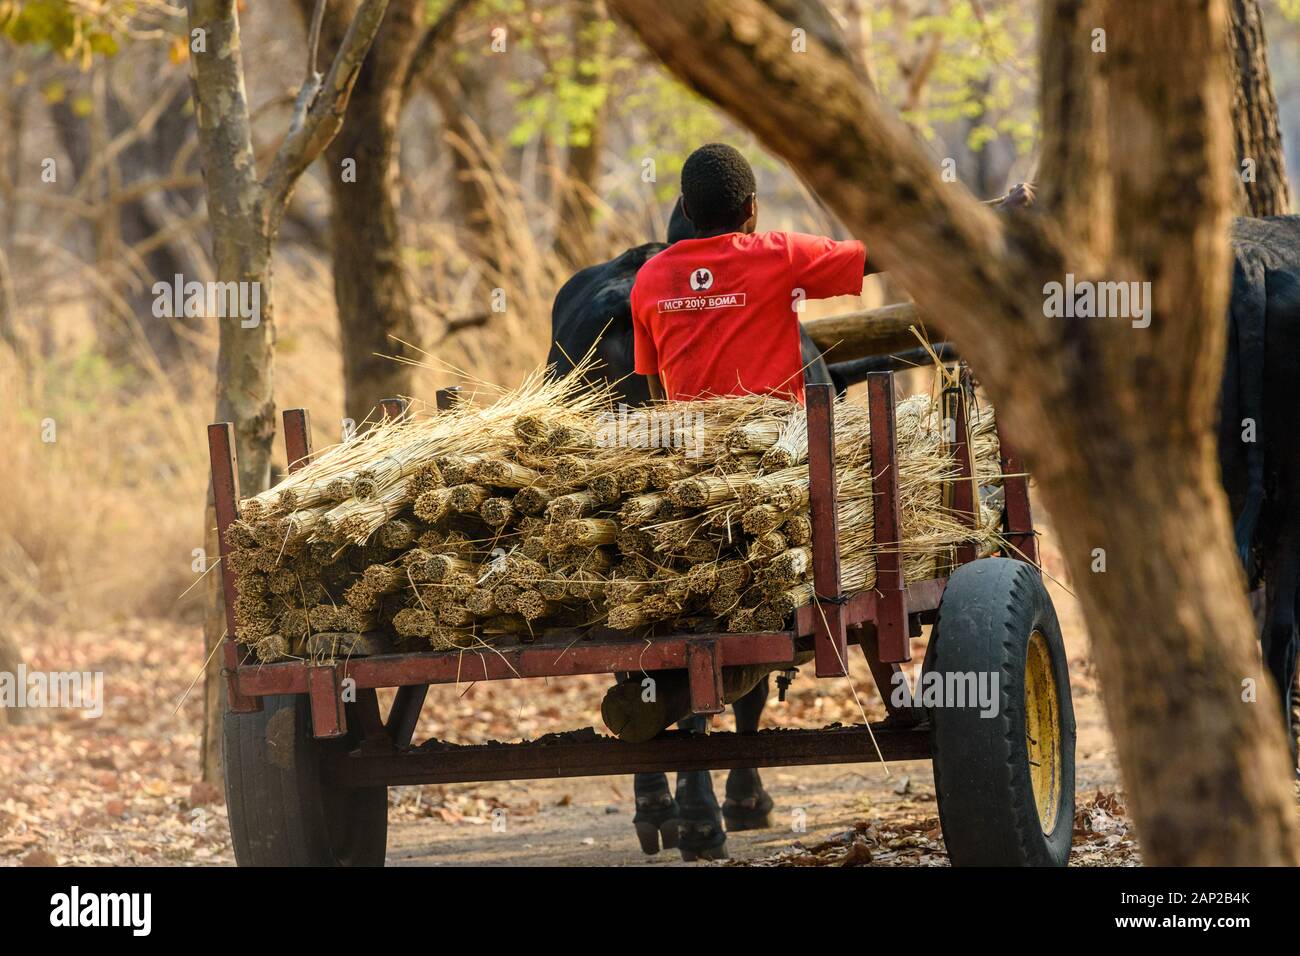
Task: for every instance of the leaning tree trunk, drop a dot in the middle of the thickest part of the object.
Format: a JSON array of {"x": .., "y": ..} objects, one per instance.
[
  {"x": 1116, "y": 420},
  {"x": 1171, "y": 635}
]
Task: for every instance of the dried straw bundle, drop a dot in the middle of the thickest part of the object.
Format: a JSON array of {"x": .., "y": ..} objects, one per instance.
[{"x": 490, "y": 521}]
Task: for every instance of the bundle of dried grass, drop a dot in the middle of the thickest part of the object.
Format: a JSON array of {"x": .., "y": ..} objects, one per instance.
[
  {"x": 503, "y": 473},
  {"x": 492, "y": 521}
]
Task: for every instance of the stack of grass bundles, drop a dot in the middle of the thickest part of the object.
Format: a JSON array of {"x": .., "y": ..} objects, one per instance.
[{"x": 545, "y": 507}]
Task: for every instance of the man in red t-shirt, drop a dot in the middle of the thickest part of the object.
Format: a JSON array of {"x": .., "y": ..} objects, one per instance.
[{"x": 715, "y": 315}]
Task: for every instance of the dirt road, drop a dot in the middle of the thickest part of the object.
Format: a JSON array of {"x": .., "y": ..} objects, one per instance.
[{"x": 587, "y": 821}]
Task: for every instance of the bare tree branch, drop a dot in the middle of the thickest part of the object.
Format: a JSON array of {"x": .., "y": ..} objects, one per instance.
[
  {"x": 313, "y": 37},
  {"x": 311, "y": 82},
  {"x": 301, "y": 147}
]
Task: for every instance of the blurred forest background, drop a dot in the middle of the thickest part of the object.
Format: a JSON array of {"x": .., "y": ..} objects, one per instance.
[{"x": 527, "y": 139}]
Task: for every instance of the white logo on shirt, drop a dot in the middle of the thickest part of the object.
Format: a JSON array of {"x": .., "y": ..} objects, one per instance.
[{"x": 701, "y": 279}]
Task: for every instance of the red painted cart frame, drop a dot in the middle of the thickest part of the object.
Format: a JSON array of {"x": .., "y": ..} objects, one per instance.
[{"x": 881, "y": 622}]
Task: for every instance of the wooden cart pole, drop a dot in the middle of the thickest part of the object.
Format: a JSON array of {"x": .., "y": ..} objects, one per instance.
[
  {"x": 225, "y": 496},
  {"x": 965, "y": 492},
  {"x": 448, "y": 398},
  {"x": 1017, "y": 519},
  {"x": 297, "y": 437},
  {"x": 328, "y": 715},
  {"x": 892, "y": 638},
  {"x": 830, "y": 642}
]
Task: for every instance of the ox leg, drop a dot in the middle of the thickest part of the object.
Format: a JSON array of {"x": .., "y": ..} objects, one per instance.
[
  {"x": 656, "y": 812},
  {"x": 702, "y": 836},
  {"x": 1280, "y": 641},
  {"x": 747, "y": 805}
]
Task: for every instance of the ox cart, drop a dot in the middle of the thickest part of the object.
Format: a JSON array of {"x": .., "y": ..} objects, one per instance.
[{"x": 309, "y": 755}]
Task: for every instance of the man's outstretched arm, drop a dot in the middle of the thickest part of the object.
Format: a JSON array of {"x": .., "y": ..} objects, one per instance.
[{"x": 1017, "y": 197}]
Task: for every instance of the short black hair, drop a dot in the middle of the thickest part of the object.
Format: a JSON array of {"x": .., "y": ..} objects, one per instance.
[{"x": 716, "y": 181}]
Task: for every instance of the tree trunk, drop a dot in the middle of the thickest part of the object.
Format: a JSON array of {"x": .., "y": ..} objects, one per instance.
[
  {"x": 244, "y": 213},
  {"x": 1116, "y": 420},
  {"x": 241, "y": 252},
  {"x": 1261, "y": 163},
  {"x": 240, "y": 242},
  {"x": 373, "y": 291},
  {"x": 11, "y": 659},
  {"x": 13, "y": 104},
  {"x": 1171, "y": 635},
  {"x": 582, "y": 166},
  {"x": 372, "y": 288}
]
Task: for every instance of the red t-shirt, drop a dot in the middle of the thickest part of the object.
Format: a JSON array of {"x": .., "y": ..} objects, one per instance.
[{"x": 716, "y": 316}]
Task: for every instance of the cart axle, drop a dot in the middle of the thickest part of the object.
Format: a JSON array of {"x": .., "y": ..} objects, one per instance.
[{"x": 587, "y": 754}]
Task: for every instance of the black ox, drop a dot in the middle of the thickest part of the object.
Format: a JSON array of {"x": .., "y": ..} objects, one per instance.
[{"x": 1262, "y": 477}]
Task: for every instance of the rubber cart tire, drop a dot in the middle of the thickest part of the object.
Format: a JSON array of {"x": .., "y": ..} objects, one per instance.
[
  {"x": 1004, "y": 782},
  {"x": 281, "y": 811}
]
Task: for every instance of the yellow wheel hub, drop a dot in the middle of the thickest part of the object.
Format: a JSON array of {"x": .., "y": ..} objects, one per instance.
[{"x": 1042, "y": 731}]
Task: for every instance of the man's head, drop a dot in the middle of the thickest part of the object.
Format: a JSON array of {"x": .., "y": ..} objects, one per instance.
[{"x": 718, "y": 190}]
